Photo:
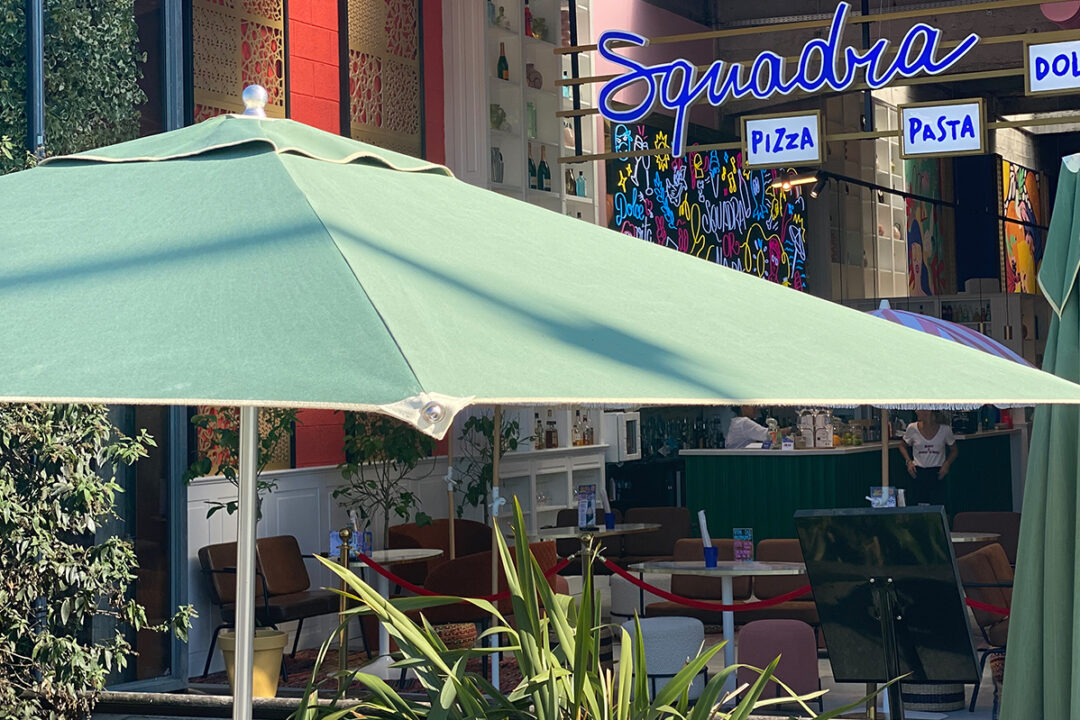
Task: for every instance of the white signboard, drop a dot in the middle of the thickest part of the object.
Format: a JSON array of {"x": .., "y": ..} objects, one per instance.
[
  {"x": 1052, "y": 67},
  {"x": 782, "y": 140},
  {"x": 954, "y": 128}
]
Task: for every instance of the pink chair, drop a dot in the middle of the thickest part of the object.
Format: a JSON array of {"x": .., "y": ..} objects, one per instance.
[{"x": 761, "y": 641}]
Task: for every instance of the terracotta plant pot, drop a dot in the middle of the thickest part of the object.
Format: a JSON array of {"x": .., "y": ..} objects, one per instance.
[{"x": 269, "y": 648}]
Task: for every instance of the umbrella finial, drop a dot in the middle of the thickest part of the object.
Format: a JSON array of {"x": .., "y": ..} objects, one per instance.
[
  {"x": 255, "y": 99},
  {"x": 884, "y": 305}
]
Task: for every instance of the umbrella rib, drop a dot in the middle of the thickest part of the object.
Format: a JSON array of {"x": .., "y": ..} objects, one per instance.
[{"x": 359, "y": 282}]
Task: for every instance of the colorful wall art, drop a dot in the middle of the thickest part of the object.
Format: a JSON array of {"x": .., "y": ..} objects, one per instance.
[
  {"x": 925, "y": 230},
  {"x": 709, "y": 205},
  {"x": 1023, "y": 235}
]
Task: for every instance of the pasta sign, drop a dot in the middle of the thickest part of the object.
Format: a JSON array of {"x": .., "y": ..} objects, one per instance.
[{"x": 710, "y": 205}]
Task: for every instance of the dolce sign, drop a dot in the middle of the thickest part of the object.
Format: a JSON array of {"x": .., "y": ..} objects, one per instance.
[
  {"x": 955, "y": 128},
  {"x": 822, "y": 62},
  {"x": 782, "y": 140},
  {"x": 1052, "y": 67}
]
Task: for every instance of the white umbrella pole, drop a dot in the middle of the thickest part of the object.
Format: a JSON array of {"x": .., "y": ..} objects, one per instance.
[
  {"x": 884, "y": 447},
  {"x": 450, "y": 489},
  {"x": 245, "y": 563},
  {"x": 496, "y": 448}
]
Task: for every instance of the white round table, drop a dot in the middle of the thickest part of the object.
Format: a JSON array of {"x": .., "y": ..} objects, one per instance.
[
  {"x": 972, "y": 537},
  {"x": 380, "y": 667},
  {"x": 725, "y": 570}
]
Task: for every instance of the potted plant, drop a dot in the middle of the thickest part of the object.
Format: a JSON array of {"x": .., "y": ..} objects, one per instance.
[
  {"x": 222, "y": 426},
  {"x": 476, "y": 443},
  {"x": 380, "y": 452}
]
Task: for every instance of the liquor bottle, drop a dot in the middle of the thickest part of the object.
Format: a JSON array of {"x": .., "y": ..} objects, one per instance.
[
  {"x": 491, "y": 13},
  {"x": 587, "y": 431},
  {"x": 543, "y": 172},
  {"x": 575, "y": 431},
  {"x": 538, "y": 433},
  {"x": 565, "y": 88},
  {"x": 551, "y": 434},
  {"x": 528, "y": 19},
  {"x": 570, "y": 186},
  {"x": 502, "y": 68},
  {"x": 532, "y": 170},
  {"x": 582, "y": 191}
]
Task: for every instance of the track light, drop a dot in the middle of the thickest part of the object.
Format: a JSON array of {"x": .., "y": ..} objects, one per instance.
[
  {"x": 790, "y": 181},
  {"x": 818, "y": 186}
]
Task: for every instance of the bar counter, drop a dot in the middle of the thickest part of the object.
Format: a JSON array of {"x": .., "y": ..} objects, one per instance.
[{"x": 762, "y": 489}]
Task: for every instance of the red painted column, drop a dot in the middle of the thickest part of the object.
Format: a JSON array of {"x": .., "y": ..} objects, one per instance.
[
  {"x": 314, "y": 98},
  {"x": 314, "y": 80}
]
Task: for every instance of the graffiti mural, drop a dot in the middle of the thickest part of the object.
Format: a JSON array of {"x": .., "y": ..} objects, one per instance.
[
  {"x": 708, "y": 205},
  {"x": 1022, "y": 236},
  {"x": 926, "y": 241}
]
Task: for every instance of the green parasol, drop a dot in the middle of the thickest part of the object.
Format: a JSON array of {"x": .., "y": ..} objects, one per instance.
[
  {"x": 1043, "y": 671},
  {"x": 264, "y": 263}
]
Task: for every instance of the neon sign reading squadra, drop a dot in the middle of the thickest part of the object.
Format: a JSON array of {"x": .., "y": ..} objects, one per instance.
[{"x": 676, "y": 85}]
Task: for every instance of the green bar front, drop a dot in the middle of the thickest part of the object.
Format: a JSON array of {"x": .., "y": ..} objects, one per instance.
[{"x": 762, "y": 489}]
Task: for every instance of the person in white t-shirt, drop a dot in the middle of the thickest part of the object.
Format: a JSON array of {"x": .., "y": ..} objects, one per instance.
[
  {"x": 743, "y": 429},
  {"x": 932, "y": 452}
]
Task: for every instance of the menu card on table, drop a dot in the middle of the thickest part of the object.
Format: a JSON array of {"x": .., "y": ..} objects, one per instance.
[
  {"x": 744, "y": 544},
  {"x": 586, "y": 495}
]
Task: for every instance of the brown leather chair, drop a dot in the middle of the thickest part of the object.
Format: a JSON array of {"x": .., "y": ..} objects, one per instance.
[
  {"x": 1005, "y": 524},
  {"x": 658, "y": 544},
  {"x": 469, "y": 537},
  {"x": 988, "y": 577},
  {"x": 471, "y": 576},
  {"x": 282, "y": 587},
  {"x": 770, "y": 586},
  {"x": 289, "y": 586},
  {"x": 697, "y": 587}
]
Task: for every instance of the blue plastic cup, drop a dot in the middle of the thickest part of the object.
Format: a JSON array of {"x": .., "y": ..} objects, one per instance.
[
  {"x": 712, "y": 553},
  {"x": 609, "y": 520}
]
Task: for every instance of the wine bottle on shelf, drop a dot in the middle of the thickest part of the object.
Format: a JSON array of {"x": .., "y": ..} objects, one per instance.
[
  {"x": 543, "y": 172},
  {"x": 551, "y": 434},
  {"x": 538, "y": 433},
  {"x": 532, "y": 170},
  {"x": 502, "y": 68},
  {"x": 587, "y": 437},
  {"x": 565, "y": 88},
  {"x": 575, "y": 431},
  {"x": 571, "y": 187},
  {"x": 582, "y": 191},
  {"x": 528, "y": 20}
]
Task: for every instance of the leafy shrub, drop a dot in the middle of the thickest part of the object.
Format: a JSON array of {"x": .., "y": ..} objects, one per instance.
[{"x": 57, "y": 486}]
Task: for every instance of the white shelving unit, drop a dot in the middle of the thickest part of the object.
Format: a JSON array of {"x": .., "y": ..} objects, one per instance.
[
  {"x": 546, "y": 481},
  {"x": 890, "y": 211},
  {"x": 521, "y": 120}
]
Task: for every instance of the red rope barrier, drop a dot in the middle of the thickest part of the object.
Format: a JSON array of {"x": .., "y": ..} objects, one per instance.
[
  {"x": 702, "y": 604},
  {"x": 424, "y": 591},
  {"x": 987, "y": 608}
]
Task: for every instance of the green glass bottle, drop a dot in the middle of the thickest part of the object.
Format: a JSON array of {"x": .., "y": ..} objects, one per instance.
[
  {"x": 543, "y": 173},
  {"x": 532, "y": 170},
  {"x": 502, "y": 68}
]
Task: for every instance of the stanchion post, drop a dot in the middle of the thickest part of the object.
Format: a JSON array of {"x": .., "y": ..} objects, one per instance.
[{"x": 343, "y": 633}]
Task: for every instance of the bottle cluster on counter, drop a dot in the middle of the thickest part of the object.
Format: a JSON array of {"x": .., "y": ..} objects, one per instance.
[
  {"x": 664, "y": 437},
  {"x": 546, "y": 435}
]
